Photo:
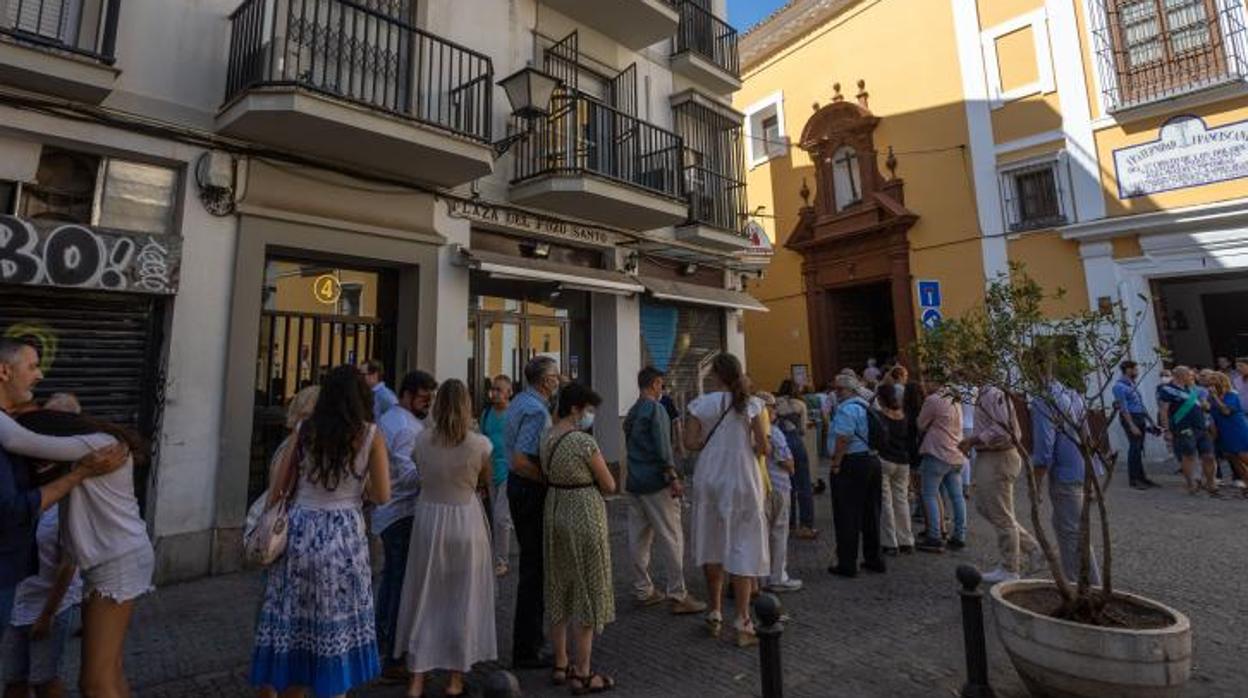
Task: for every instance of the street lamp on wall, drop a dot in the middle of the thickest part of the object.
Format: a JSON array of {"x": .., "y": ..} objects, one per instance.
[{"x": 529, "y": 91}]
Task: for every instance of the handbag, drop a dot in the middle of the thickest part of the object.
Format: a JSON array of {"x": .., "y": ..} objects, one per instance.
[{"x": 268, "y": 519}]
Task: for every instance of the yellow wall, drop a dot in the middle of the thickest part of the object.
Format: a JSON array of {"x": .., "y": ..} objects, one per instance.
[
  {"x": 994, "y": 12},
  {"x": 1056, "y": 265},
  {"x": 917, "y": 93},
  {"x": 1016, "y": 58}
]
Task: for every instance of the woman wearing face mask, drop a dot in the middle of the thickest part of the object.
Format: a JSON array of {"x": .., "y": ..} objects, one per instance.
[{"x": 576, "y": 549}]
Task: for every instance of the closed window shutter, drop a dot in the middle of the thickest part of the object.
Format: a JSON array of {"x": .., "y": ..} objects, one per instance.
[
  {"x": 53, "y": 19},
  {"x": 679, "y": 348}
]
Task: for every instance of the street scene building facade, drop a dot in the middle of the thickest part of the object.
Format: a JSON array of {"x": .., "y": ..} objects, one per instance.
[
  {"x": 193, "y": 228},
  {"x": 1096, "y": 141}
]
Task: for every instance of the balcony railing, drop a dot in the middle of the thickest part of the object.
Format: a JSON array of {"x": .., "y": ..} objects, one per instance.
[
  {"x": 365, "y": 52},
  {"x": 715, "y": 200},
  {"x": 87, "y": 29},
  {"x": 708, "y": 36},
  {"x": 584, "y": 136},
  {"x": 1155, "y": 49}
]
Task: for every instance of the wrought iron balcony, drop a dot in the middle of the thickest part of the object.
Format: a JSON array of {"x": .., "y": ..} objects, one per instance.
[
  {"x": 584, "y": 136},
  {"x": 593, "y": 161},
  {"x": 715, "y": 200},
  {"x": 365, "y": 52},
  {"x": 707, "y": 36},
  {"x": 85, "y": 29},
  {"x": 1150, "y": 50}
]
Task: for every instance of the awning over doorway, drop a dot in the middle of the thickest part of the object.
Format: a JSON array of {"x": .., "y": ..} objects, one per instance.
[
  {"x": 679, "y": 292},
  {"x": 568, "y": 276}
]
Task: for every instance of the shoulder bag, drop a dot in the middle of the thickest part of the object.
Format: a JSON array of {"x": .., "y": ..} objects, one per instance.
[{"x": 268, "y": 523}]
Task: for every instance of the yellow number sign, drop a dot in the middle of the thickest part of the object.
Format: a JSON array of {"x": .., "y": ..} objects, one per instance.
[{"x": 327, "y": 288}]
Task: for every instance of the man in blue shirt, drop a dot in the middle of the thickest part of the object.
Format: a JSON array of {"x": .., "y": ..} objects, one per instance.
[
  {"x": 1055, "y": 453},
  {"x": 528, "y": 417},
  {"x": 383, "y": 397},
  {"x": 20, "y": 501},
  {"x": 1135, "y": 421},
  {"x": 1183, "y": 421},
  {"x": 400, "y": 426},
  {"x": 856, "y": 481},
  {"x": 654, "y": 490}
]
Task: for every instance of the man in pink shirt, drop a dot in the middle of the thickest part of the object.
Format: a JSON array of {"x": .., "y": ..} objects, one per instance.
[
  {"x": 998, "y": 463},
  {"x": 941, "y": 468}
]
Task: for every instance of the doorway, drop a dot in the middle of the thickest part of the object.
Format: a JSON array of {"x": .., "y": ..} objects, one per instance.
[
  {"x": 315, "y": 315},
  {"x": 862, "y": 326},
  {"x": 1200, "y": 318},
  {"x": 513, "y": 321}
]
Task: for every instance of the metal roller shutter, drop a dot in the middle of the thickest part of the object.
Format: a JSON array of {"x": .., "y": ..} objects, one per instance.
[
  {"x": 678, "y": 339},
  {"x": 102, "y": 347}
]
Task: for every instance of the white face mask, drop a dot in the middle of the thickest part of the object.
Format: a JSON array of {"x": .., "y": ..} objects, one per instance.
[{"x": 586, "y": 421}]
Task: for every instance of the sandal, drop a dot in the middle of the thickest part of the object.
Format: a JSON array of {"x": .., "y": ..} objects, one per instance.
[
  {"x": 746, "y": 637},
  {"x": 586, "y": 683},
  {"x": 559, "y": 676},
  {"x": 714, "y": 624}
]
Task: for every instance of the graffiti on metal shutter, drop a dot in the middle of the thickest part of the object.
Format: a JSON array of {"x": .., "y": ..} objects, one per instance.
[{"x": 75, "y": 256}]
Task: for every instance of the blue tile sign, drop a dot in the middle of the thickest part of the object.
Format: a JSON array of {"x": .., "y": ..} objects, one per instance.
[
  {"x": 931, "y": 318},
  {"x": 929, "y": 294}
]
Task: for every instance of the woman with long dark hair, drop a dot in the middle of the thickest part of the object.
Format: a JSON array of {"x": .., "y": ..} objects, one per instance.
[
  {"x": 106, "y": 537},
  {"x": 446, "y": 616},
  {"x": 729, "y": 522},
  {"x": 316, "y": 629}
]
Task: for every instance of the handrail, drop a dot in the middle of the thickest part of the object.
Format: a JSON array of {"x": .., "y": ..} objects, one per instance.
[
  {"x": 584, "y": 136},
  {"x": 364, "y": 55},
  {"x": 703, "y": 33},
  {"x": 715, "y": 200}
]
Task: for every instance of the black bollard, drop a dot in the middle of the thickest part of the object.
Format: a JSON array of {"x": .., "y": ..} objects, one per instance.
[
  {"x": 973, "y": 634},
  {"x": 768, "y": 609},
  {"x": 502, "y": 684}
]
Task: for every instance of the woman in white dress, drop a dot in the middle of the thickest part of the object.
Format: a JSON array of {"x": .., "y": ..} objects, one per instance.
[
  {"x": 729, "y": 524},
  {"x": 446, "y": 618}
]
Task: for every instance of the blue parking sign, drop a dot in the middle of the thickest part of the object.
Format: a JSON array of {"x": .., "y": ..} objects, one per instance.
[
  {"x": 932, "y": 318},
  {"x": 929, "y": 294}
]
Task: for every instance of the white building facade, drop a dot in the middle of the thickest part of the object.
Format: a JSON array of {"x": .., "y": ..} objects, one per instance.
[{"x": 207, "y": 205}]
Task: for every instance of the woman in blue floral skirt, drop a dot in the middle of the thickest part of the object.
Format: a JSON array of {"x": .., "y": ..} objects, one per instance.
[{"x": 315, "y": 630}]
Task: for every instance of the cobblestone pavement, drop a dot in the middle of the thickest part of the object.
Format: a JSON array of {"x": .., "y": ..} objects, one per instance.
[{"x": 893, "y": 635}]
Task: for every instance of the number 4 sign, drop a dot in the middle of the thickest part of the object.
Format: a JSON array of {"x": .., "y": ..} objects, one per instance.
[{"x": 327, "y": 289}]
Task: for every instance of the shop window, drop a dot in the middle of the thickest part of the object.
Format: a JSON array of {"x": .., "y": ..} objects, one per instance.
[
  {"x": 764, "y": 130},
  {"x": 73, "y": 187},
  {"x": 1033, "y": 196},
  {"x": 1153, "y": 49}
]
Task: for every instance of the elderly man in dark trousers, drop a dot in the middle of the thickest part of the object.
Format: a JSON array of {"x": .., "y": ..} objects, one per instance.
[
  {"x": 857, "y": 481},
  {"x": 528, "y": 417}
]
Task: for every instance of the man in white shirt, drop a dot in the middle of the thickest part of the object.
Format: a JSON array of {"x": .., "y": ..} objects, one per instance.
[{"x": 393, "y": 520}]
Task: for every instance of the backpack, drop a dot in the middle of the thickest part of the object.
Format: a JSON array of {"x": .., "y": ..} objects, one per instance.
[{"x": 876, "y": 432}]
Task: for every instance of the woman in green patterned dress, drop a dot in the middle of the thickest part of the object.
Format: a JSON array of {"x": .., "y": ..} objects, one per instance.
[{"x": 577, "y": 552}]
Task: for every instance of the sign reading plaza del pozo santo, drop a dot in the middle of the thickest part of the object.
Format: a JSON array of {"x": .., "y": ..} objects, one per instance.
[
  {"x": 517, "y": 221},
  {"x": 1186, "y": 153}
]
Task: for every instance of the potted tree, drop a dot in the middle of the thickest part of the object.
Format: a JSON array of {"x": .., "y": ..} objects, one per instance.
[{"x": 1066, "y": 637}]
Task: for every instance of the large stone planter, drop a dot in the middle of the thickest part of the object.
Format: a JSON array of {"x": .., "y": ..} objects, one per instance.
[{"x": 1062, "y": 659}]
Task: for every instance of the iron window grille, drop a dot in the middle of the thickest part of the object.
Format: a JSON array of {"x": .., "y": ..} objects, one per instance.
[
  {"x": 714, "y": 163},
  {"x": 1033, "y": 196},
  {"x": 366, "y": 52},
  {"x": 1149, "y": 50},
  {"x": 86, "y": 29}
]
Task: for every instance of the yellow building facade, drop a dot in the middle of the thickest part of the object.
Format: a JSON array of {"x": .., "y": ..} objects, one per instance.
[{"x": 1102, "y": 143}]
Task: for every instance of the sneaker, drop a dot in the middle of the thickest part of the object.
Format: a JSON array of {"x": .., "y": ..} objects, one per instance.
[
  {"x": 1000, "y": 575},
  {"x": 1241, "y": 484},
  {"x": 654, "y": 598},
  {"x": 785, "y": 586},
  {"x": 956, "y": 544},
  {"x": 928, "y": 545},
  {"x": 687, "y": 605}
]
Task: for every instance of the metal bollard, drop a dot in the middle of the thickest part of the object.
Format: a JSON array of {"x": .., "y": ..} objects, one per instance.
[
  {"x": 768, "y": 609},
  {"x": 502, "y": 684},
  {"x": 973, "y": 634}
]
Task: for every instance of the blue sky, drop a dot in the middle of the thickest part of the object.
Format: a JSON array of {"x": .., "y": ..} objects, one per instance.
[{"x": 743, "y": 14}]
